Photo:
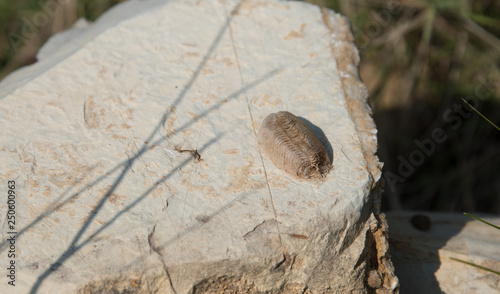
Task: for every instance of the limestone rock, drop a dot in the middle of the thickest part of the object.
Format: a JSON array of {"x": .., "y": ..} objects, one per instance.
[
  {"x": 136, "y": 166},
  {"x": 422, "y": 254}
]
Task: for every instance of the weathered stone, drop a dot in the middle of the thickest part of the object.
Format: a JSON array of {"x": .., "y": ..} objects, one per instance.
[
  {"x": 423, "y": 257},
  {"x": 134, "y": 152}
]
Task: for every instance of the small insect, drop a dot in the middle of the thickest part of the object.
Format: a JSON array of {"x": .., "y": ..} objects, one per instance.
[
  {"x": 292, "y": 146},
  {"x": 193, "y": 152}
]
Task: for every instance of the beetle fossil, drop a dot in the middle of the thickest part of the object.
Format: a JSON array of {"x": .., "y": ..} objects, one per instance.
[{"x": 292, "y": 146}]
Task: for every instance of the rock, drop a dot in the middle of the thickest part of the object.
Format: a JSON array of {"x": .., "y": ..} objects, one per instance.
[
  {"x": 136, "y": 166},
  {"x": 423, "y": 257}
]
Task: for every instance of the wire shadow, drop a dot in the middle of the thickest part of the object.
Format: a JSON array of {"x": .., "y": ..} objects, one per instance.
[
  {"x": 74, "y": 246},
  {"x": 129, "y": 161},
  {"x": 188, "y": 86},
  {"x": 127, "y": 164}
]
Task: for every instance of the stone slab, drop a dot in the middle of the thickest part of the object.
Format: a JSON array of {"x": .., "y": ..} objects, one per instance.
[
  {"x": 422, "y": 257},
  {"x": 99, "y": 137}
]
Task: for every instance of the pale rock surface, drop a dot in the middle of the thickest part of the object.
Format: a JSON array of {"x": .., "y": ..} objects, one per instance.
[
  {"x": 91, "y": 135},
  {"x": 422, "y": 258}
]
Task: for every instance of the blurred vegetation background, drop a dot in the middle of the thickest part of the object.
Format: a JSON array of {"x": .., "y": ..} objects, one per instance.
[{"x": 417, "y": 59}]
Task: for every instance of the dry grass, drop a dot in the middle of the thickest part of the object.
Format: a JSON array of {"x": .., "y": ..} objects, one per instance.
[{"x": 418, "y": 59}]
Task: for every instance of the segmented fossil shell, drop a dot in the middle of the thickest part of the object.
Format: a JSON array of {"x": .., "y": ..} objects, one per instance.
[{"x": 292, "y": 146}]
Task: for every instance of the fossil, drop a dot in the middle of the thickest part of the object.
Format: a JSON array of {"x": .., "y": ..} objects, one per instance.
[{"x": 292, "y": 146}]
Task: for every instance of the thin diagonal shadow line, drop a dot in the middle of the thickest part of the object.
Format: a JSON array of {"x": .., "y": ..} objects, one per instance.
[
  {"x": 162, "y": 121},
  {"x": 204, "y": 60},
  {"x": 74, "y": 247},
  {"x": 96, "y": 210},
  {"x": 125, "y": 163},
  {"x": 128, "y": 161},
  {"x": 187, "y": 231},
  {"x": 230, "y": 97}
]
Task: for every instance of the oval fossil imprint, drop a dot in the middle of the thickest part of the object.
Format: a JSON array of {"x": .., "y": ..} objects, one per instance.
[{"x": 292, "y": 146}]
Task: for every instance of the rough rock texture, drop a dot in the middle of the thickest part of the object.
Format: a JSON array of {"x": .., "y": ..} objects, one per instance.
[
  {"x": 421, "y": 253},
  {"x": 133, "y": 148}
]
